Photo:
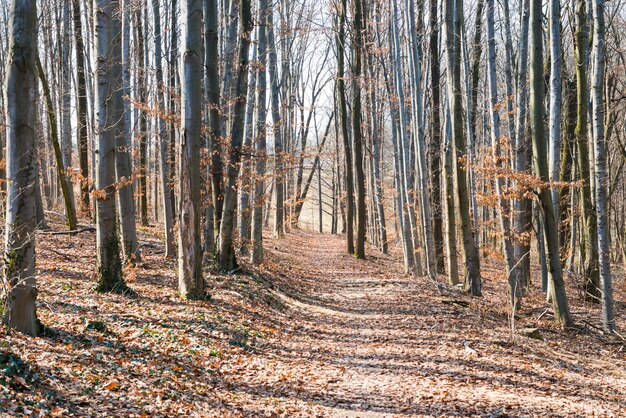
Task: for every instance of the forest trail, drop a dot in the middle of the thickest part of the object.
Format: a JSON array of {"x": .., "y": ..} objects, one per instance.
[
  {"x": 313, "y": 332},
  {"x": 368, "y": 340}
]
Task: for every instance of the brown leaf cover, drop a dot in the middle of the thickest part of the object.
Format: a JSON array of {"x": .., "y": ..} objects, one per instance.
[{"x": 313, "y": 332}]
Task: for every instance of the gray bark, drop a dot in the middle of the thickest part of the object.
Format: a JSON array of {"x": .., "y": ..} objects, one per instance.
[
  {"x": 164, "y": 176},
  {"x": 599, "y": 142},
  {"x": 107, "y": 80},
  {"x": 190, "y": 280},
  {"x": 21, "y": 90}
]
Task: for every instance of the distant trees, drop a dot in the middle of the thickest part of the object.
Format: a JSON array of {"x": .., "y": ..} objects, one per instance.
[{"x": 173, "y": 121}]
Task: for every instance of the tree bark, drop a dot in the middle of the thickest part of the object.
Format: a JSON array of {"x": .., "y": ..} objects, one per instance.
[
  {"x": 107, "y": 80},
  {"x": 21, "y": 90},
  {"x": 551, "y": 233},
  {"x": 227, "y": 259},
  {"x": 190, "y": 279},
  {"x": 453, "y": 22},
  {"x": 164, "y": 176},
  {"x": 597, "y": 90}
]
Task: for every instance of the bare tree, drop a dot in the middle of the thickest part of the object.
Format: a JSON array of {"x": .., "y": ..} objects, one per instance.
[{"x": 19, "y": 253}]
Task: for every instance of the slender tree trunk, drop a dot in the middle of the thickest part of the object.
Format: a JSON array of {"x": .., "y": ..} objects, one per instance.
[
  {"x": 453, "y": 22},
  {"x": 279, "y": 215},
  {"x": 190, "y": 279},
  {"x": 244, "y": 211},
  {"x": 435, "y": 142},
  {"x": 123, "y": 169},
  {"x": 357, "y": 133},
  {"x": 503, "y": 210},
  {"x": 66, "y": 95},
  {"x": 451, "y": 245},
  {"x": 597, "y": 89},
  {"x": 256, "y": 255},
  {"x": 227, "y": 259},
  {"x": 343, "y": 113},
  {"x": 58, "y": 153},
  {"x": 164, "y": 176},
  {"x": 143, "y": 121},
  {"x": 589, "y": 255},
  {"x": 107, "y": 14},
  {"x": 555, "y": 101},
  {"x": 551, "y": 233},
  {"x": 21, "y": 90},
  {"x": 523, "y": 213},
  {"x": 213, "y": 97},
  {"x": 81, "y": 108}
]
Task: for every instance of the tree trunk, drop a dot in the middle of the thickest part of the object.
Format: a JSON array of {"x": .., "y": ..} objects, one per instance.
[
  {"x": 123, "y": 169},
  {"x": 58, "y": 153},
  {"x": 212, "y": 86},
  {"x": 551, "y": 233},
  {"x": 523, "y": 215},
  {"x": 453, "y": 22},
  {"x": 279, "y": 215},
  {"x": 21, "y": 91},
  {"x": 256, "y": 255},
  {"x": 343, "y": 113},
  {"x": 589, "y": 255},
  {"x": 597, "y": 89},
  {"x": 357, "y": 133},
  {"x": 81, "y": 108},
  {"x": 435, "y": 141},
  {"x": 190, "y": 280},
  {"x": 164, "y": 176},
  {"x": 143, "y": 121},
  {"x": 503, "y": 210},
  {"x": 108, "y": 80},
  {"x": 227, "y": 261}
]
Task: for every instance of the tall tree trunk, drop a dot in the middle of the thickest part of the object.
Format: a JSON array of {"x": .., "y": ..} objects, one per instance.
[
  {"x": 343, "y": 113},
  {"x": 555, "y": 101},
  {"x": 227, "y": 259},
  {"x": 21, "y": 90},
  {"x": 212, "y": 86},
  {"x": 58, "y": 153},
  {"x": 435, "y": 141},
  {"x": 107, "y": 24},
  {"x": 143, "y": 119},
  {"x": 279, "y": 214},
  {"x": 453, "y": 22},
  {"x": 123, "y": 169},
  {"x": 523, "y": 213},
  {"x": 164, "y": 176},
  {"x": 256, "y": 254},
  {"x": 244, "y": 211},
  {"x": 503, "y": 210},
  {"x": 81, "y": 108},
  {"x": 451, "y": 244},
  {"x": 597, "y": 89},
  {"x": 66, "y": 95},
  {"x": 418, "y": 134},
  {"x": 357, "y": 133},
  {"x": 551, "y": 233},
  {"x": 172, "y": 84},
  {"x": 589, "y": 255},
  {"x": 190, "y": 280}
]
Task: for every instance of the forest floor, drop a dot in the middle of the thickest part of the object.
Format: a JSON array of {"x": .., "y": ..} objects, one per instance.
[{"x": 312, "y": 332}]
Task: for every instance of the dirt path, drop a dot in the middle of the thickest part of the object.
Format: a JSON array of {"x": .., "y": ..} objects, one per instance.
[{"x": 366, "y": 340}]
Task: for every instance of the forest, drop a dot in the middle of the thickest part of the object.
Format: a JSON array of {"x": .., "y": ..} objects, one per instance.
[{"x": 313, "y": 208}]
